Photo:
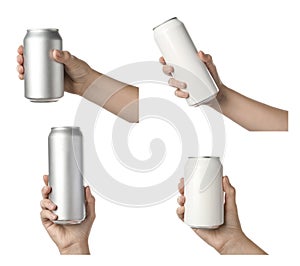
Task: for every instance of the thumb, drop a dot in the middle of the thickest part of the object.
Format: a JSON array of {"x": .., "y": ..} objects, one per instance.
[
  {"x": 63, "y": 57},
  {"x": 229, "y": 193},
  {"x": 230, "y": 207},
  {"x": 90, "y": 205},
  {"x": 206, "y": 58}
]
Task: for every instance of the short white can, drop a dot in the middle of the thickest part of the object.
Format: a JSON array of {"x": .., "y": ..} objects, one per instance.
[{"x": 203, "y": 190}]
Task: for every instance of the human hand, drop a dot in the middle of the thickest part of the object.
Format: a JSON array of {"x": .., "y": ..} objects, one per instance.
[
  {"x": 70, "y": 239},
  {"x": 229, "y": 237},
  {"x": 180, "y": 85},
  {"x": 78, "y": 74}
]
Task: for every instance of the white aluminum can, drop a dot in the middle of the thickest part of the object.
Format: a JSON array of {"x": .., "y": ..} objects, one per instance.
[
  {"x": 180, "y": 52},
  {"x": 203, "y": 190}
]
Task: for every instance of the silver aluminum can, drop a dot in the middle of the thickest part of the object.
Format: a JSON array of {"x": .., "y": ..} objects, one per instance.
[
  {"x": 44, "y": 78},
  {"x": 180, "y": 52},
  {"x": 203, "y": 190},
  {"x": 65, "y": 148}
]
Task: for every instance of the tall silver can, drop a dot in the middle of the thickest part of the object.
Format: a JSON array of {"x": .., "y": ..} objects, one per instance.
[
  {"x": 65, "y": 148},
  {"x": 180, "y": 52},
  {"x": 203, "y": 190},
  {"x": 44, "y": 78}
]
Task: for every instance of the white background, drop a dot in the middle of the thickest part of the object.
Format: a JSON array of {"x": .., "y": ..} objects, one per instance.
[{"x": 255, "y": 45}]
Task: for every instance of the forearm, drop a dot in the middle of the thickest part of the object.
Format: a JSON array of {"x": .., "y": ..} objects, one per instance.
[
  {"x": 241, "y": 246},
  {"x": 76, "y": 249},
  {"x": 250, "y": 114},
  {"x": 117, "y": 97}
]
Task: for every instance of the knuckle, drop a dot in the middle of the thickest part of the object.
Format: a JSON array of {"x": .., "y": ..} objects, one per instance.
[
  {"x": 232, "y": 191},
  {"x": 92, "y": 200},
  {"x": 209, "y": 57},
  {"x": 165, "y": 69},
  {"x": 68, "y": 55},
  {"x": 44, "y": 191}
]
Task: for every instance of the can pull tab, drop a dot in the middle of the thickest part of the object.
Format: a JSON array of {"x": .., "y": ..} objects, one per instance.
[{"x": 209, "y": 178}]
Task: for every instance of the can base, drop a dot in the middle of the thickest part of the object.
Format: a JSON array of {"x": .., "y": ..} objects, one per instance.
[
  {"x": 43, "y": 100},
  {"x": 69, "y": 221},
  {"x": 205, "y": 227},
  {"x": 215, "y": 226},
  {"x": 204, "y": 101}
]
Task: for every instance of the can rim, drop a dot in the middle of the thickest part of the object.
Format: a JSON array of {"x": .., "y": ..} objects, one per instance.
[
  {"x": 203, "y": 157},
  {"x": 42, "y": 29},
  {"x": 65, "y": 128},
  {"x": 164, "y": 22}
]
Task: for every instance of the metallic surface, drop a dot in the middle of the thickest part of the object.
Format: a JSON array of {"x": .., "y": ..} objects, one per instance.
[
  {"x": 180, "y": 52},
  {"x": 203, "y": 190},
  {"x": 44, "y": 78},
  {"x": 66, "y": 174}
]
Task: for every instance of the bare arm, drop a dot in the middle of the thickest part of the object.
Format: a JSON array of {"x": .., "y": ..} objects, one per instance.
[
  {"x": 116, "y": 97},
  {"x": 251, "y": 114},
  {"x": 248, "y": 113},
  {"x": 241, "y": 246},
  {"x": 229, "y": 238},
  {"x": 70, "y": 239}
]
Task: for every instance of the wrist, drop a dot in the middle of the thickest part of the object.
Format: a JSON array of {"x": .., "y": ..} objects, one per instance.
[
  {"x": 234, "y": 244},
  {"x": 220, "y": 100},
  {"x": 78, "y": 248},
  {"x": 91, "y": 77},
  {"x": 222, "y": 95},
  {"x": 241, "y": 245}
]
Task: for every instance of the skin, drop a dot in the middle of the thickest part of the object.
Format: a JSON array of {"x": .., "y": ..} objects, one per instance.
[
  {"x": 229, "y": 238},
  {"x": 248, "y": 113},
  {"x": 119, "y": 98},
  {"x": 70, "y": 239}
]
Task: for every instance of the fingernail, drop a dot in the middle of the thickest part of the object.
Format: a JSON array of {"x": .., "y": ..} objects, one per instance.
[
  {"x": 226, "y": 179},
  {"x": 53, "y": 216},
  {"x": 183, "y": 85},
  {"x": 59, "y": 53}
]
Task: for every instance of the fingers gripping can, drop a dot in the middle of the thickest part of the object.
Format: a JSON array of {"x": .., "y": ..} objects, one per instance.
[
  {"x": 204, "y": 204},
  {"x": 180, "y": 52},
  {"x": 44, "y": 78},
  {"x": 65, "y": 150}
]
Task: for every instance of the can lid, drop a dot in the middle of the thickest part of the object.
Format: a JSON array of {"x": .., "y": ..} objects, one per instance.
[
  {"x": 164, "y": 22},
  {"x": 65, "y": 128},
  {"x": 46, "y": 29},
  {"x": 204, "y": 157}
]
